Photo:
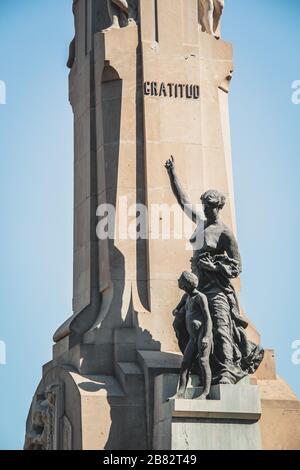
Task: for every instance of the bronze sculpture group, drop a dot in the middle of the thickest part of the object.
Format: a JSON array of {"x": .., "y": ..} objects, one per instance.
[{"x": 208, "y": 323}]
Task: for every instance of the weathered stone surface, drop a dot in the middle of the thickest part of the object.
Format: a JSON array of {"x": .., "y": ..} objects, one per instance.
[
  {"x": 227, "y": 421},
  {"x": 280, "y": 422}
]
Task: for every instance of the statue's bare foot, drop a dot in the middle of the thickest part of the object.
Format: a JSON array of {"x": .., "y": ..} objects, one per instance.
[
  {"x": 131, "y": 22},
  {"x": 225, "y": 381},
  {"x": 203, "y": 396},
  {"x": 180, "y": 394}
]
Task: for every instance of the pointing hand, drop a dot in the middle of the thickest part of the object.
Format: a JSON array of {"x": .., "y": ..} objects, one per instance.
[{"x": 170, "y": 165}]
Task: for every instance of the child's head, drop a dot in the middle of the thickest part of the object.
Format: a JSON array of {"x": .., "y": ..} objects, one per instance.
[{"x": 188, "y": 282}]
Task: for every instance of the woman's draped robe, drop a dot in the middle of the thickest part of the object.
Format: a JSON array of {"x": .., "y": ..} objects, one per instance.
[{"x": 234, "y": 356}]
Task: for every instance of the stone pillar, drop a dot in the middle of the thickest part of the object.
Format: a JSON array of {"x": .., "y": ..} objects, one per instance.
[
  {"x": 185, "y": 74},
  {"x": 139, "y": 94}
]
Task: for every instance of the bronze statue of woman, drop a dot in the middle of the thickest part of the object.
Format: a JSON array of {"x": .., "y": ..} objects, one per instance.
[{"x": 216, "y": 261}]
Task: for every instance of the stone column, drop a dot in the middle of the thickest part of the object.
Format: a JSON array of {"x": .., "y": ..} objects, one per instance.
[{"x": 140, "y": 94}]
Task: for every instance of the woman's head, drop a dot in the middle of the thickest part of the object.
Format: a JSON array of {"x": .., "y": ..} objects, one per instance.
[{"x": 213, "y": 201}]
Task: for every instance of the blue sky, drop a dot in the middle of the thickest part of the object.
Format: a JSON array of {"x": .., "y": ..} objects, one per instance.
[{"x": 36, "y": 188}]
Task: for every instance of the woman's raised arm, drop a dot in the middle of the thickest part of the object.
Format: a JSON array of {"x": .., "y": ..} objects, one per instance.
[{"x": 180, "y": 195}]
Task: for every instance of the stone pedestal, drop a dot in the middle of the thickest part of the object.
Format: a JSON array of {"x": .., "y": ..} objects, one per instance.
[{"x": 229, "y": 420}]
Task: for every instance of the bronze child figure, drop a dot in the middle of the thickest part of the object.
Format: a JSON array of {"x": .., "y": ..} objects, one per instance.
[{"x": 199, "y": 327}]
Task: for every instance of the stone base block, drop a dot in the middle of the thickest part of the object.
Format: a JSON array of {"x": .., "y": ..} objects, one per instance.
[
  {"x": 96, "y": 412},
  {"x": 229, "y": 420}
]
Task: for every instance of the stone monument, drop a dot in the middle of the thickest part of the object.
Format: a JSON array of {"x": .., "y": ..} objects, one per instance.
[{"x": 149, "y": 79}]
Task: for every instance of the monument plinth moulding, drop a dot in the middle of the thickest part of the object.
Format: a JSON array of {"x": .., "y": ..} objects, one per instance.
[{"x": 150, "y": 79}]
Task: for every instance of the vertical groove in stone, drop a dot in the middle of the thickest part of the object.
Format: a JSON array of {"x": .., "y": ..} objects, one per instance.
[{"x": 156, "y": 33}]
